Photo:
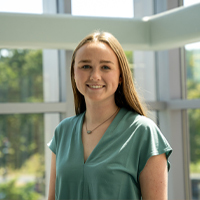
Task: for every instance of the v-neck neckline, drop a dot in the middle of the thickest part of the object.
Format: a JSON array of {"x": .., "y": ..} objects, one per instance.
[{"x": 109, "y": 129}]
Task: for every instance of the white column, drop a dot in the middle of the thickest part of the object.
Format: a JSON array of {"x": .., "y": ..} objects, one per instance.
[
  {"x": 144, "y": 61},
  {"x": 51, "y": 93},
  {"x": 64, "y": 7},
  {"x": 171, "y": 121}
]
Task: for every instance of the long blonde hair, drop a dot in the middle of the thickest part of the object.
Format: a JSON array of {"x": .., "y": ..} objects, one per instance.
[{"x": 125, "y": 95}]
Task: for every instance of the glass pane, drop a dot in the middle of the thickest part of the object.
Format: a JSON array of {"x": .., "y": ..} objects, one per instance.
[
  {"x": 22, "y": 170},
  {"x": 21, "y": 75},
  {"x": 190, "y": 2},
  {"x": 194, "y": 129},
  {"x": 21, "y": 6},
  {"x": 129, "y": 56},
  {"x": 144, "y": 74},
  {"x": 193, "y": 70},
  {"x": 103, "y": 8},
  {"x": 192, "y": 53}
]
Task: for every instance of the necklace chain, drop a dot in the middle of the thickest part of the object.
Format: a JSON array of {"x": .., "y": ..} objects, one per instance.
[{"x": 90, "y": 131}]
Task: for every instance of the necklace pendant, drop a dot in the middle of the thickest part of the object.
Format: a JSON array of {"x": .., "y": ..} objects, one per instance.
[{"x": 89, "y": 131}]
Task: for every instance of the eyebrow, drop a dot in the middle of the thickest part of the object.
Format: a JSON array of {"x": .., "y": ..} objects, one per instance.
[
  {"x": 106, "y": 61},
  {"x": 101, "y": 61},
  {"x": 84, "y": 61}
]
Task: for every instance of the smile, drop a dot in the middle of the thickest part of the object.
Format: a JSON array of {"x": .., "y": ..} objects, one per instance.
[{"x": 96, "y": 86}]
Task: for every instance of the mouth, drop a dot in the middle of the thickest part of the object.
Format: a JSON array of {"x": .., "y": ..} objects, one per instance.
[{"x": 96, "y": 86}]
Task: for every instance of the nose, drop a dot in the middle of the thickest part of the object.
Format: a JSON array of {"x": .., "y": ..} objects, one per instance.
[{"x": 95, "y": 75}]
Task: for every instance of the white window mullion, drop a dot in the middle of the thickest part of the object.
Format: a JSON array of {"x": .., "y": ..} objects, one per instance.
[{"x": 51, "y": 92}]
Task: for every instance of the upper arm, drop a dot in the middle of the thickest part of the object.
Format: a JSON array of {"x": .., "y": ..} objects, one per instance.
[
  {"x": 153, "y": 178},
  {"x": 52, "y": 183}
]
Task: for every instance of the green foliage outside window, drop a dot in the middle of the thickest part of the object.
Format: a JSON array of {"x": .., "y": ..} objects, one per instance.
[
  {"x": 193, "y": 92},
  {"x": 21, "y": 135},
  {"x": 129, "y": 56},
  {"x": 21, "y": 78},
  {"x": 25, "y": 192}
]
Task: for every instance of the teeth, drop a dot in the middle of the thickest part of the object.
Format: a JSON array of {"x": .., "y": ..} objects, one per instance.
[{"x": 95, "y": 86}]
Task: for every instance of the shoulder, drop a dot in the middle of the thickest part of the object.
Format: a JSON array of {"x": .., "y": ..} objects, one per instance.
[
  {"x": 134, "y": 119},
  {"x": 145, "y": 123},
  {"x": 148, "y": 134},
  {"x": 68, "y": 123},
  {"x": 143, "y": 128}
]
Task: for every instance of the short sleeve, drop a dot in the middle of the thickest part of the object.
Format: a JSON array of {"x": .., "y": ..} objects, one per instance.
[
  {"x": 153, "y": 143},
  {"x": 60, "y": 135},
  {"x": 52, "y": 144}
]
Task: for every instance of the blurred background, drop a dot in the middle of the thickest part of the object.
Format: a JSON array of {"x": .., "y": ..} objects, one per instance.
[{"x": 30, "y": 76}]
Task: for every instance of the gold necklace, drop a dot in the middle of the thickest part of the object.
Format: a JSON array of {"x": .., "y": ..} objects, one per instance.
[{"x": 90, "y": 131}]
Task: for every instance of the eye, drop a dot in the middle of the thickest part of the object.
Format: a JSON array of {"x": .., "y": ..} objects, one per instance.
[
  {"x": 106, "y": 67},
  {"x": 85, "y": 66}
]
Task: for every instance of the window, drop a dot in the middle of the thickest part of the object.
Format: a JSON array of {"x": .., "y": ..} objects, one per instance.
[
  {"x": 21, "y": 6},
  {"x": 192, "y": 53},
  {"x": 22, "y": 161},
  {"x": 103, "y": 8},
  {"x": 192, "y": 64},
  {"x": 21, "y": 75},
  {"x": 193, "y": 88},
  {"x": 157, "y": 76},
  {"x": 194, "y": 130},
  {"x": 22, "y": 169}
]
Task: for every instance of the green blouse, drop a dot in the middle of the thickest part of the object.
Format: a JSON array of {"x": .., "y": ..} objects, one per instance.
[{"x": 112, "y": 170}]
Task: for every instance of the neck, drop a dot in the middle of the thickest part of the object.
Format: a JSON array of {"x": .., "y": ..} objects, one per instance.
[{"x": 97, "y": 113}]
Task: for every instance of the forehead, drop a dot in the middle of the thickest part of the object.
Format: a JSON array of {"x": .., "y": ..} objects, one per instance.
[{"x": 95, "y": 49}]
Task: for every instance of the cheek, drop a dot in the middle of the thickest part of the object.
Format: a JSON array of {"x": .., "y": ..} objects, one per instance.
[
  {"x": 77, "y": 74},
  {"x": 115, "y": 78},
  {"x": 114, "y": 82},
  {"x": 80, "y": 79}
]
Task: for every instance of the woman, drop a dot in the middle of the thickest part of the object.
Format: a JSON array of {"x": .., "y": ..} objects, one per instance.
[{"x": 109, "y": 150}]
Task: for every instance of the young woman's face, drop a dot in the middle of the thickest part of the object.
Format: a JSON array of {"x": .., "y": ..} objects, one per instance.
[{"x": 96, "y": 72}]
